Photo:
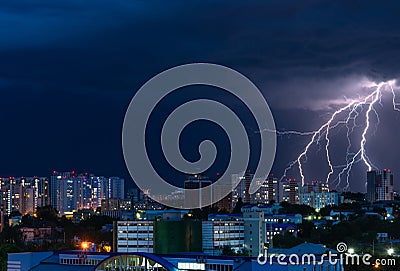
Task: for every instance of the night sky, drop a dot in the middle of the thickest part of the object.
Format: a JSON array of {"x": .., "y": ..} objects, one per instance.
[{"x": 70, "y": 68}]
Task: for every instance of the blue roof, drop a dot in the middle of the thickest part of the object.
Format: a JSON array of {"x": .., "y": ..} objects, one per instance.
[
  {"x": 190, "y": 255},
  {"x": 227, "y": 216},
  {"x": 154, "y": 257},
  {"x": 61, "y": 267},
  {"x": 307, "y": 248},
  {"x": 278, "y": 215}
]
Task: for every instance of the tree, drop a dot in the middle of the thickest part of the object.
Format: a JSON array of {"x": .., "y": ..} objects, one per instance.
[
  {"x": 204, "y": 212},
  {"x": 15, "y": 213},
  {"x": 228, "y": 251},
  {"x": 325, "y": 211},
  {"x": 305, "y": 229},
  {"x": 285, "y": 241},
  {"x": 288, "y": 208},
  {"x": 4, "y": 250},
  {"x": 47, "y": 213},
  {"x": 244, "y": 253}
]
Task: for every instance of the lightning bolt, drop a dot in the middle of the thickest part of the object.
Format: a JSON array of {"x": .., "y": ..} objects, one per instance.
[
  {"x": 395, "y": 104},
  {"x": 362, "y": 108}
]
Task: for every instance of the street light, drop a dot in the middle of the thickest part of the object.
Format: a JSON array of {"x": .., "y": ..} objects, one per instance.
[
  {"x": 351, "y": 250},
  {"x": 390, "y": 251},
  {"x": 85, "y": 245}
]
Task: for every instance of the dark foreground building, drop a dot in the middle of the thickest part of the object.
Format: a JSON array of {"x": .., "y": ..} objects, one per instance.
[{"x": 92, "y": 261}]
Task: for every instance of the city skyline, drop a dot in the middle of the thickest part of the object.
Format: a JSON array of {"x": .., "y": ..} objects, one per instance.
[
  {"x": 58, "y": 114},
  {"x": 199, "y": 135},
  {"x": 188, "y": 177},
  {"x": 71, "y": 192}
]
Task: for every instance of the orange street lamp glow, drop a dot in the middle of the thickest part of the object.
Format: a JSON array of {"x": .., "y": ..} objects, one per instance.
[{"x": 85, "y": 245}]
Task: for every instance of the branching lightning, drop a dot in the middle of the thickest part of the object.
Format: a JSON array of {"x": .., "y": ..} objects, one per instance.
[{"x": 357, "y": 113}]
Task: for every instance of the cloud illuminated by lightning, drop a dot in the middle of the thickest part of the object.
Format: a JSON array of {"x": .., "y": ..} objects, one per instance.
[{"x": 362, "y": 108}]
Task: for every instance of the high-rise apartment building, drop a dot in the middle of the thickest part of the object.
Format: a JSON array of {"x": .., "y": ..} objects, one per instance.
[
  {"x": 254, "y": 231},
  {"x": 24, "y": 194},
  {"x": 318, "y": 196},
  {"x": 274, "y": 188},
  {"x": 270, "y": 190},
  {"x": 195, "y": 197},
  {"x": 290, "y": 191},
  {"x": 380, "y": 185},
  {"x": 71, "y": 191}
]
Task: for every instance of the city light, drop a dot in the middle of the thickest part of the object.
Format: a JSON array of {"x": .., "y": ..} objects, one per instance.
[
  {"x": 390, "y": 251},
  {"x": 85, "y": 245},
  {"x": 107, "y": 248},
  {"x": 351, "y": 250}
]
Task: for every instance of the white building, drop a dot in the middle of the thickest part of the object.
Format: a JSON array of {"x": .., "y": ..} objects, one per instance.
[
  {"x": 222, "y": 230},
  {"x": 318, "y": 196},
  {"x": 135, "y": 236},
  {"x": 239, "y": 232},
  {"x": 254, "y": 231},
  {"x": 319, "y": 200}
]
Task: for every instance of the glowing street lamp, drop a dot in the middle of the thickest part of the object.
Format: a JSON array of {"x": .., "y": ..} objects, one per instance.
[
  {"x": 85, "y": 245},
  {"x": 390, "y": 251},
  {"x": 351, "y": 250}
]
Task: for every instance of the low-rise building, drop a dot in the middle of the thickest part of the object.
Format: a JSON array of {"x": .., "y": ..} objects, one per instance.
[
  {"x": 160, "y": 236},
  {"x": 135, "y": 236},
  {"x": 40, "y": 234},
  {"x": 223, "y": 230},
  {"x": 266, "y": 209},
  {"x": 283, "y": 218},
  {"x": 92, "y": 261}
]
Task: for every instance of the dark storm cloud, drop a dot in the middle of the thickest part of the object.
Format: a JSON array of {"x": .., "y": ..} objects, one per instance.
[
  {"x": 87, "y": 58},
  {"x": 97, "y": 46}
]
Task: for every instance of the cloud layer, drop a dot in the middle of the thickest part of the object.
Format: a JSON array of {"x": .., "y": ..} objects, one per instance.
[{"x": 87, "y": 58}]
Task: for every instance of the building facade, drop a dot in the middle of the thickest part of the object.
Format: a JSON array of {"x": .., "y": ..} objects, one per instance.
[
  {"x": 24, "y": 194},
  {"x": 380, "y": 185},
  {"x": 70, "y": 191},
  {"x": 135, "y": 236},
  {"x": 318, "y": 196},
  {"x": 271, "y": 190},
  {"x": 254, "y": 231},
  {"x": 194, "y": 196},
  {"x": 290, "y": 191},
  {"x": 161, "y": 236},
  {"x": 220, "y": 231}
]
